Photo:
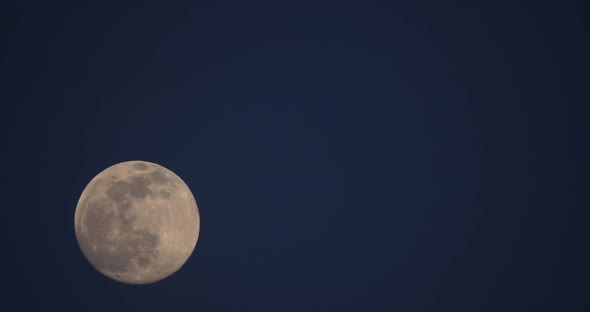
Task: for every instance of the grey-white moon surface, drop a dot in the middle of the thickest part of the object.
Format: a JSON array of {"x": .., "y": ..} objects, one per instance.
[{"x": 137, "y": 222}]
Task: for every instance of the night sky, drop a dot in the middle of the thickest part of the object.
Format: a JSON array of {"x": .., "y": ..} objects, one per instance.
[{"x": 344, "y": 158}]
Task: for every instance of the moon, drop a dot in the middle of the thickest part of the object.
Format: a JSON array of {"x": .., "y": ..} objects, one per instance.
[{"x": 137, "y": 222}]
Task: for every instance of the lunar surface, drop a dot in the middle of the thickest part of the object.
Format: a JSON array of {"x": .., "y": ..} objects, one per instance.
[{"x": 137, "y": 222}]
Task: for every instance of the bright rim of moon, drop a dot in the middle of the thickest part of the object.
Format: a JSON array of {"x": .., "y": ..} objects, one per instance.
[{"x": 137, "y": 222}]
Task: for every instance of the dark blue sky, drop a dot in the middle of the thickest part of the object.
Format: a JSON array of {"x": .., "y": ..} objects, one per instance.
[{"x": 351, "y": 159}]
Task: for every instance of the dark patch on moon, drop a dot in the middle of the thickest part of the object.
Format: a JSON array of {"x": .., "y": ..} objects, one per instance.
[
  {"x": 165, "y": 194},
  {"x": 99, "y": 218},
  {"x": 117, "y": 190},
  {"x": 146, "y": 244},
  {"x": 126, "y": 222},
  {"x": 114, "y": 261},
  {"x": 139, "y": 187},
  {"x": 124, "y": 204},
  {"x": 100, "y": 221},
  {"x": 158, "y": 176},
  {"x": 116, "y": 254},
  {"x": 143, "y": 261},
  {"x": 140, "y": 166}
]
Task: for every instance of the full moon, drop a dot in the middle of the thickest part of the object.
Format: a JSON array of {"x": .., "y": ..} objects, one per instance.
[{"x": 137, "y": 222}]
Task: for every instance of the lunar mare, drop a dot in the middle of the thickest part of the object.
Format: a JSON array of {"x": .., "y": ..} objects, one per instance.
[{"x": 137, "y": 222}]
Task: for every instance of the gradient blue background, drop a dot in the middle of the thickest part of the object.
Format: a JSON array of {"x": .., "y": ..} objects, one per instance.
[{"x": 350, "y": 158}]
